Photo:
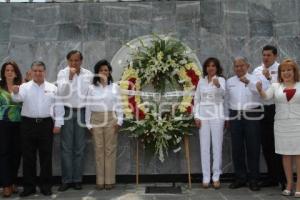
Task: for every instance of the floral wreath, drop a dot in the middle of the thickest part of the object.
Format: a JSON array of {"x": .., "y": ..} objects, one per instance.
[{"x": 163, "y": 63}]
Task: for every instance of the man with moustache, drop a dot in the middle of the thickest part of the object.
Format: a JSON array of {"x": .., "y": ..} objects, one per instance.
[
  {"x": 244, "y": 111},
  {"x": 73, "y": 82}
]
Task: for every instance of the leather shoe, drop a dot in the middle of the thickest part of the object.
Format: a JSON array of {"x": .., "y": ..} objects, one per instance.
[
  {"x": 46, "y": 192},
  {"x": 77, "y": 186},
  {"x": 7, "y": 192},
  {"x": 282, "y": 185},
  {"x": 253, "y": 185},
  {"x": 216, "y": 185},
  {"x": 205, "y": 185},
  {"x": 14, "y": 189},
  {"x": 109, "y": 186},
  {"x": 268, "y": 183},
  {"x": 237, "y": 184},
  {"x": 99, "y": 187},
  {"x": 63, "y": 187},
  {"x": 27, "y": 192}
]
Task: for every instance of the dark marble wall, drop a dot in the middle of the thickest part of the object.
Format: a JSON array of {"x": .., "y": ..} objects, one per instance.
[{"x": 221, "y": 28}]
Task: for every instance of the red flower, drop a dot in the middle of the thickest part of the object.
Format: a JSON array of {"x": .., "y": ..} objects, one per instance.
[
  {"x": 131, "y": 83},
  {"x": 141, "y": 115},
  {"x": 189, "y": 108},
  {"x": 194, "y": 77},
  {"x": 138, "y": 113}
]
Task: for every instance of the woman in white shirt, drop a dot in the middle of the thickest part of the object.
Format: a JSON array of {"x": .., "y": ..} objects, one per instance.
[
  {"x": 209, "y": 118},
  {"x": 103, "y": 118},
  {"x": 286, "y": 94}
]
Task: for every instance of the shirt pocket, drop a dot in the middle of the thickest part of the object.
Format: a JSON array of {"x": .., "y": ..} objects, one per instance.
[{"x": 50, "y": 96}]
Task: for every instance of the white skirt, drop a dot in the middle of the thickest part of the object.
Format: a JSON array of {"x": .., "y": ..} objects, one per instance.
[{"x": 287, "y": 136}]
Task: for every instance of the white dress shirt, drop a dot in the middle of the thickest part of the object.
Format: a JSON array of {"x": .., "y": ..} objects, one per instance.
[
  {"x": 39, "y": 101},
  {"x": 273, "y": 70},
  {"x": 209, "y": 99},
  {"x": 74, "y": 91},
  {"x": 103, "y": 99},
  {"x": 240, "y": 96}
]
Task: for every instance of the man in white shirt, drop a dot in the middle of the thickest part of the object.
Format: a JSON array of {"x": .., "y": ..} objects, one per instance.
[
  {"x": 40, "y": 107},
  {"x": 73, "y": 82},
  {"x": 267, "y": 73},
  {"x": 242, "y": 101}
]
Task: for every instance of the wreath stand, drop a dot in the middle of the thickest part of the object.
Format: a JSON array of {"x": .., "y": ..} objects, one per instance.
[{"x": 173, "y": 189}]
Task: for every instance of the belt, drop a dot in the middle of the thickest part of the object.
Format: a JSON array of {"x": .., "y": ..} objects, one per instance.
[
  {"x": 36, "y": 120},
  {"x": 74, "y": 109}
]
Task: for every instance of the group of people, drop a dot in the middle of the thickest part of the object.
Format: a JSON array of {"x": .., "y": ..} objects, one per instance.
[
  {"x": 32, "y": 112},
  {"x": 261, "y": 109}
]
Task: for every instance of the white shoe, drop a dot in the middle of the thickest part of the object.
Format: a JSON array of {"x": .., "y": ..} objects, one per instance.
[
  {"x": 297, "y": 195},
  {"x": 287, "y": 193}
]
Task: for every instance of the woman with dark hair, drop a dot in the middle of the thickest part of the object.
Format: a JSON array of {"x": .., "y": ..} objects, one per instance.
[
  {"x": 209, "y": 118},
  {"x": 103, "y": 117},
  {"x": 10, "y": 117}
]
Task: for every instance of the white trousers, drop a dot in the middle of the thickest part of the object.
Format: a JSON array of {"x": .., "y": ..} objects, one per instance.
[{"x": 211, "y": 132}]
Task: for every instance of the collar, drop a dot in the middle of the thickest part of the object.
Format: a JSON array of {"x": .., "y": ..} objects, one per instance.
[
  {"x": 247, "y": 76},
  {"x": 274, "y": 65},
  {"x": 37, "y": 85}
]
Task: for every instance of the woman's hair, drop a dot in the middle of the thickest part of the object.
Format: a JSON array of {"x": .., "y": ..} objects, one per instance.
[
  {"x": 288, "y": 63},
  {"x": 217, "y": 64},
  {"x": 17, "y": 79},
  {"x": 97, "y": 67}
]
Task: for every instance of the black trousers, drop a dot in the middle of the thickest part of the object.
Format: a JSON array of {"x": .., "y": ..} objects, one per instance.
[
  {"x": 10, "y": 152},
  {"x": 245, "y": 139},
  {"x": 37, "y": 138},
  {"x": 273, "y": 160}
]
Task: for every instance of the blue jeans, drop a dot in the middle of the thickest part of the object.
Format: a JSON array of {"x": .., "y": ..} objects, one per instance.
[
  {"x": 245, "y": 135},
  {"x": 73, "y": 144}
]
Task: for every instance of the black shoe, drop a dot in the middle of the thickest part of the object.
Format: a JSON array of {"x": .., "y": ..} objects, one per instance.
[
  {"x": 46, "y": 192},
  {"x": 237, "y": 184},
  {"x": 282, "y": 185},
  {"x": 27, "y": 192},
  {"x": 77, "y": 186},
  {"x": 268, "y": 183},
  {"x": 63, "y": 187},
  {"x": 253, "y": 185}
]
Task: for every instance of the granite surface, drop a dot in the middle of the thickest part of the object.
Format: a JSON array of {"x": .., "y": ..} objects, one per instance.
[{"x": 220, "y": 28}]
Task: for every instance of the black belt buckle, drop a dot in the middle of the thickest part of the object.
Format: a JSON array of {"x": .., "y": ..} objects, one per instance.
[{"x": 38, "y": 120}]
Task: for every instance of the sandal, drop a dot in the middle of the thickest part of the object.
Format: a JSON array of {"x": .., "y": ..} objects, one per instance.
[
  {"x": 297, "y": 195},
  {"x": 288, "y": 193},
  {"x": 216, "y": 184},
  {"x": 205, "y": 185}
]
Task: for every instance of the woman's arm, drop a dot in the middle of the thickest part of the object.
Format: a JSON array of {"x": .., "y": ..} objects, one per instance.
[{"x": 268, "y": 94}]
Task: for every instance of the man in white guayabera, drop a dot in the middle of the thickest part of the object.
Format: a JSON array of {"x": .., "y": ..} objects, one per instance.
[
  {"x": 245, "y": 112},
  {"x": 73, "y": 82},
  {"x": 267, "y": 73}
]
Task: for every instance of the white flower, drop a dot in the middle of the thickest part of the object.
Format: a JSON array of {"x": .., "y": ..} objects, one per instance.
[
  {"x": 183, "y": 62},
  {"x": 176, "y": 150}
]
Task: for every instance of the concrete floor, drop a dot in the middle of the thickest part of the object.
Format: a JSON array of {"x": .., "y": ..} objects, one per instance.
[{"x": 133, "y": 192}]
